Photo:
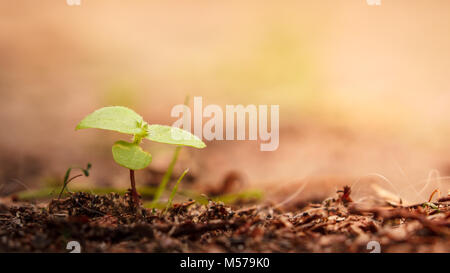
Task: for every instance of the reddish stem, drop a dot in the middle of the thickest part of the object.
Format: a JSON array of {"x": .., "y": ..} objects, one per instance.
[{"x": 134, "y": 193}]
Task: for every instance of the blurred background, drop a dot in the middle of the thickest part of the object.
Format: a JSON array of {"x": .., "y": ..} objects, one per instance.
[{"x": 362, "y": 89}]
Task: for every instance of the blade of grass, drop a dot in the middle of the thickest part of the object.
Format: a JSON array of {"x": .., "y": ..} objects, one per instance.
[
  {"x": 168, "y": 174},
  {"x": 166, "y": 178},
  {"x": 174, "y": 190}
]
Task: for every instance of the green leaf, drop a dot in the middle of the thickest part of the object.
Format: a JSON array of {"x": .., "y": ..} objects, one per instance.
[
  {"x": 115, "y": 118},
  {"x": 130, "y": 155},
  {"x": 173, "y": 135}
]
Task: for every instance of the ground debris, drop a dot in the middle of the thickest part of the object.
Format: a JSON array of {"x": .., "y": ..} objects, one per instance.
[{"x": 107, "y": 223}]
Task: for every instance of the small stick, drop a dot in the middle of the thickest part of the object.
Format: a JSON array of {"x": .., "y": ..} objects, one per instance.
[
  {"x": 432, "y": 194},
  {"x": 444, "y": 199}
]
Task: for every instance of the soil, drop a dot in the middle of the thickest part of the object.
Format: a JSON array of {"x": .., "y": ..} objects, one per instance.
[{"x": 108, "y": 223}]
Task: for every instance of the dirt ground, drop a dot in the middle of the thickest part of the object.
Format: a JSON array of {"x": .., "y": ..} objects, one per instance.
[{"x": 109, "y": 223}]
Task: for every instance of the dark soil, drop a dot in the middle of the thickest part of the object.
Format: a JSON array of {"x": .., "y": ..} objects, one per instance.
[{"x": 109, "y": 224}]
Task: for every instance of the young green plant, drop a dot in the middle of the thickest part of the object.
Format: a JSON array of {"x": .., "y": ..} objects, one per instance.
[
  {"x": 67, "y": 175},
  {"x": 129, "y": 154}
]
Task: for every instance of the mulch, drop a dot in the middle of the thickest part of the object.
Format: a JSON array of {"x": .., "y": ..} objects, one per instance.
[{"x": 108, "y": 223}]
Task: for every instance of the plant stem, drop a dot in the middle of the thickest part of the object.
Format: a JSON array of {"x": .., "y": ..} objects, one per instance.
[
  {"x": 166, "y": 178},
  {"x": 134, "y": 193}
]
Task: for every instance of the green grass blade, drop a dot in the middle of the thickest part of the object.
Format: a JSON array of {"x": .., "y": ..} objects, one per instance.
[
  {"x": 175, "y": 189},
  {"x": 166, "y": 178}
]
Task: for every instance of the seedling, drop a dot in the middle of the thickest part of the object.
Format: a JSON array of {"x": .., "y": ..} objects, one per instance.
[
  {"x": 129, "y": 154},
  {"x": 67, "y": 175}
]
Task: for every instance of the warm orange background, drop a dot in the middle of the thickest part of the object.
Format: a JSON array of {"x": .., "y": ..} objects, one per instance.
[{"x": 361, "y": 89}]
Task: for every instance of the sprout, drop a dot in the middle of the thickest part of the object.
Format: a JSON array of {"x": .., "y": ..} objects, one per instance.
[{"x": 129, "y": 154}]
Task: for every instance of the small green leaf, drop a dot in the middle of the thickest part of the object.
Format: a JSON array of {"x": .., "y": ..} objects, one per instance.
[
  {"x": 173, "y": 135},
  {"x": 130, "y": 155},
  {"x": 115, "y": 118}
]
